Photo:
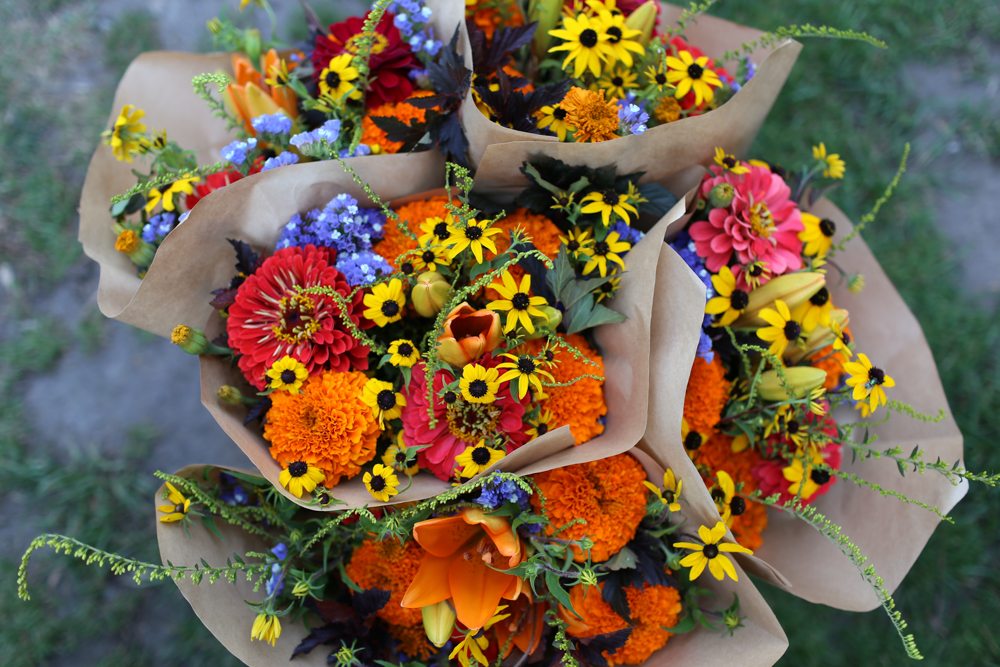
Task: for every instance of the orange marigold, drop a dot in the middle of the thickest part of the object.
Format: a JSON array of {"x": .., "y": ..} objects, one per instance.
[
  {"x": 394, "y": 241},
  {"x": 542, "y": 231},
  {"x": 489, "y": 16},
  {"x": 717, "y": 454},
  {"x": 390, "y": 566},
  {"x": 607, "y": 494},
  {"x": 374, "y": 136},
  {"x": 652, "y": 608},
  {"x": 326, "y": 424},
  {"x": 833, "y": 363},
  {"x": 581, "y": 404},
  {"x": 707, "y": 393},
  {"x": 592, "y": 117}
]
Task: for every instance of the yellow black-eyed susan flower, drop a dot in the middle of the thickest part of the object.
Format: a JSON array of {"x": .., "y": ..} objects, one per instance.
[
  {"x": 688, "y": 74},
  {"x": 526, "y": 371},
  {"x": 552, "y": 117},
  {"x": 831, "y": 163},
  {"x": 386, "y": 403},
  {"x": 178, "y": 507},
  {"x": 869, "y": 382},
  {"x": 670, "y": 494},
  {"x": 476, "y": 235},
  {"x": 656, "y": 77},
  {"x": 384, "y": 304},
  {"x": 403, "y": 353},
  {"x": 608, "y": 203},
  {"x": 435, "y": 231},
  {"x": 479, "y": 384},
  {"x": 165, "y": 197},
  {"x": 478, "y": 458},
  {"x": 517, "y": 302},
  {"x": 301, "y": 478},
  {"x": 783, "y": 329},
  {"x": 287, "y": 374},
  {"x": 577, "y": 240},
  {"x": 266, "y": 628},
  {"x": 540, "y": 423},
  {"x": 610, "y": 250},
  {"x": 814, "y": 311},
  {"x": 691, "y": 439},
  {"x": 381, "y": 482},
  {"x": 622, "y": 42},
  {"x": 816, "y": 235},
  {"x": 608, "y": 288},
  {"x": 585, "y": 42},
  {"x": 729, "y": 301},
  {"x": 617, "y": 82},
  {"x": 726, "y": 501},
  {"x": 729, "y": 162},
  {"x": 127, "y": 136},
  {"x": 430, "y": 258},
  {"x": 337, "y": 79},
  {"x": 756, "y": 274},
  {"x": 398, "y": 457},
  {"x": 711, "y": 553},
  {"x": 804, "y": 476}
]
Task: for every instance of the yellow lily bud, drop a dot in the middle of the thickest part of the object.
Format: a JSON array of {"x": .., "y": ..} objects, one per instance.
[
  {"x": 792, "y": 288},
  {"x": 799, "y": 381},
  {"x": 553, "y": 318},
  {"x": 430, "y": 294},
  {"x": 644, "y": 20},
  {"x": 819, "y": 337},
  {"x": 439, "y": 621},
  {"x": 548, "y": 14}
]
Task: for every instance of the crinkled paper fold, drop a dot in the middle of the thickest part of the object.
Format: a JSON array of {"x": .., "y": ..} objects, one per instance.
[
  {"x": 223, "y": 609},
  {"x": 794, "y": 556},
  {"x": 668, "y": 154},
  {"x": 258, "y": 217}
]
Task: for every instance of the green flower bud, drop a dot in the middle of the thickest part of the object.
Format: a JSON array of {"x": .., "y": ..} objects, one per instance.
[
  {"x": 721, "y": 195},
  {"x": 190, "y": 340},
  {"x": 430, "y": 294}
]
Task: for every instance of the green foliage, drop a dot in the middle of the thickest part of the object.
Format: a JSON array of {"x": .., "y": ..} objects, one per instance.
[{"x": 133, "y": 32}]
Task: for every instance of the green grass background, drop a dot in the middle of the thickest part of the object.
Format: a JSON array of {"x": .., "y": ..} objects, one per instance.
[{"x": 847, "y": 94}]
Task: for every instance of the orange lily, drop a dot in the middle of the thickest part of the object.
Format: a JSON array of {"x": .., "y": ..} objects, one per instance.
[
  {"x": 468, "y": 334},
  {"x": 524, "y": 627},
  {"x": 461, "y": 552},
  {"x": 250, "y": 96}
]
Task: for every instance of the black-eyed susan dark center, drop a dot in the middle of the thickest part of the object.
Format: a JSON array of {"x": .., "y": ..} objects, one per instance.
[
  {"x": 441, "y": 231},
  {"x": 827, "y": 227},
  {"x": 386, "y": 399},
  {"x": 428, "y": 256},
  {"x": 390, "y": 309},
  {"x": 821, "y": 297},
  {"x": 288, "y": 377},
  {"x": 793, "y": 330},
  {"x": 473, "y": 233},
  {"x": 520, "y": 301},
  {"x": 711, "y": 551},
  {"x": 332, "y": 79},
  {"x": 405, "y": 349},
  {"x": 692, "y": 441},
  {"x": 481, "y": 456},
  {"x": 739, "y": 299},
  {"x": 478, "y": 388},
  {"x": 737, "y": 506},
  {"x": 876, "y": 376},
  {"x": 298, "y": 468},
  {"x": 377, "y": 483},
  {"x": 526, "y": 365},
  {"x": 821, "y": 477},
  {"x": 614, "y": 34},
  {"x": 588, "y": 38},
  {"x": 695, "y": 71},
  {"x": 407, "y": 268}
]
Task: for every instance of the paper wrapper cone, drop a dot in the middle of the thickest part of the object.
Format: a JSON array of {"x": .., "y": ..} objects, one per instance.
[
  {"x": 223, "y": 609},
  {"x": 669, "y": 154},
  {"x": 794, "y": 556},
  {"x": 625, "y": 347},
  {"x": 158, "y": 82}
]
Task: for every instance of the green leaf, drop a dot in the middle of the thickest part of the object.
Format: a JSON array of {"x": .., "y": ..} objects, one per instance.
[
  {"x": 556, "y": 589},
  {"x": 623, "y": 560}
]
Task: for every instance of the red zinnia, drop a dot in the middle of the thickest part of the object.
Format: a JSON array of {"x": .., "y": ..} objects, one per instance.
[
  {"x": 390, "y": 63},
  {"x": 459, "y": 424},
  {"x": 271, "y": 318},
  {"x": 216, "y": 181}
]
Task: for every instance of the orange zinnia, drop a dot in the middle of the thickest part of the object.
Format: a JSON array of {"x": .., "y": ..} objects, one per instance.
[{"x": 461, "y": 552}]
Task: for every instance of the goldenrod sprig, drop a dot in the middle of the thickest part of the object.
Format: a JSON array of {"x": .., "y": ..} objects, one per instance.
[
  {"x": 144, "y": 186},
  {"x": 202, "y": 83},
  {"x": 771, "y": 38},
  {"x": 879, "y": 203}
]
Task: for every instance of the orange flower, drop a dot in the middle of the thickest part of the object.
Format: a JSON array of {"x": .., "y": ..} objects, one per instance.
[
  {"x": 543, "y": 232},
  {"x": 832, "y": 362},
  {"x": 707, "y": 393},
  {"x": 250, "y": 96},
  {"x": 607, "y": 494},
  {"x": 581, "y": 404},
  {"x": 592, "y": 117},
  {"x": 461, "y": 552},
  {"x": 326, "y": 423},
  {"x": 468, "y": 335},
  {"x": 652, "y": 608},
  {"x": 524, "y": 628},
  {"x": 374, "y": 136},
  {"x": 489, "y": 16},
  {"x": 717, "y": 454},
  {"x": 389, "y": 566},
  {"x": 394, "y": 240}
]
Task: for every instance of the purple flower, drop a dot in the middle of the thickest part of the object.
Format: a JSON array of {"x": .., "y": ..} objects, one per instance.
[
  {"x": 236, "y": 152},
  {"x": 631, "y": 118},
  {"x": 275, "y": 123},
  {"x": 627, "y": 232},
  {"x": 276, "y": 583},
  {"x": 280, "y": 551},
  {"x": 496, "y": 492},
  {"x": 280, "y": 160},
  {"x": 230, "y": 491},
  {"x": 685, "y": 247},
  {"x": 158, "y": 227},
  {"x": 362, "y": 268}
]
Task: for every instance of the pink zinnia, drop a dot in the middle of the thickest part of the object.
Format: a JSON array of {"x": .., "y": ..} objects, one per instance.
[
  {"x": 761, "y": 224},
  {"x": 460, "y": 424}
]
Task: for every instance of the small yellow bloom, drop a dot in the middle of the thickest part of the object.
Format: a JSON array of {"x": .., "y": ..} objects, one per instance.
[
  {"x": 814, "y": 311},
  {"x": 381, "y": 482},
  {"x": 670, "y": 494},
  {"x": 525, "y": 369},
  {"x": 577, "y": 241},
  {"x": 602, "y": 252},
  {"x": 585, "y": 41},
  {"x": 517, "y": 302},
  {"x": 182, "y": 186},
  {"x": 783, "y": 329},
  {"x": 476, "y": 235},
  {"x": 607, "y": 203},
  {"x": 622, "y": 40},
  {"x": 816, "y": 235},
  {"x": 552, "y": 117},
  {"x": 729, "y": 162},
  {"x": 397, "y": 456},
  {"x": 478, "y": 458},
  {"x": 127, "y": 137},
  {"x": 688, "y": 73},
  {"x": 386, "y": 403},
  {"x": 404, "y": 353},
  {"x": 617, "y": 82},
  {"x": 833, "y": 166},
  {"x": 266, "y": 628},
  {"x": 384, "y": 304},
  {"x": 475, "y": 642},
  {"x": 727, "y": 502},
  {"x": 479, "y": 384},
  {"x": 436, "y": 231},
  {"x": 178, "y": 507},
  {"x": 430, "y": 258},
  {"x": 869, "y": 382},
  {"x": 337, "y": 79},
  {"x": 711, "y": 552},
  {"x": 540, "y": 424},
  {"x": 287, "y": 374},
  {"x": 301, "y": 478},
  {"x": 729, "y": 301},
  {"x": 692, "y": 440},
  {"x": 804, "y": 475}
]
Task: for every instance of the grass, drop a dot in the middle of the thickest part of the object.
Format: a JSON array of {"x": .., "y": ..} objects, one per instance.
[{"x": 848, "y": 95}]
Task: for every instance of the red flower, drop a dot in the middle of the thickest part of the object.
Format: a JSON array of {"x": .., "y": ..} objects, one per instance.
[
  {"x": 459, "y": 424},
  {"x": 391, "y": 60},
  {"x": 769, "y": 473},
  {"x": 270, "y": 318},
  {"x": 216, "y": 181}
]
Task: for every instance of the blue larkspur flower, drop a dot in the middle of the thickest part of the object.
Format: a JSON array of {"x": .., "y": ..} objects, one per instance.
[
  {"x": 631, "y": 118},
  {"x": 280, "y": 160},
  {"x": 685, "y": 247},
  {"x": 274, "y": 123},
  {"x": 280, "y": 551},
  {"x": 496, "y": 492},
  {"x": 231, "y": 491},
  {"x": 362, "y": 268},
  {"x": 237, "y": 152},
  {"x": 158, "y": 227},
  {"x": 276, "y": 583}
]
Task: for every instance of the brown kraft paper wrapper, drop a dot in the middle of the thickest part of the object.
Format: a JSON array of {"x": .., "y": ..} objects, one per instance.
[
  {"x": 222, "y": 607},
  {"x": 669, "y": 154},
  {"x": 794, "y": 556},
  {"x": 257, "y": 219}
]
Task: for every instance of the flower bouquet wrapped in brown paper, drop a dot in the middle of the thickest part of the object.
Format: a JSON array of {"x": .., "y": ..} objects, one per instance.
[
  {"x": 186, "y": 126},
  {"x": 805, "y": 350}
]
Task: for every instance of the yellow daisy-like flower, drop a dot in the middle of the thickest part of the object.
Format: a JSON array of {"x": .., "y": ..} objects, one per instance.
[
  {"x": 729, "y": 162},
  {"x": 525, "y": 369},
  {"x": 656, "y": 76},
  {"x": 816, "y": 235},
  {"x": 397, "y": 456},
  {"x": 478, "y": 458},
  {"x": 711, "y": 552},
  {"x": 608, "y": 288},
  {"x": 691, "y": 439},
  {"x": 617, "y": 82},
  {"x": 783, "y": 329},
  {"x": 386, "y": 403},
  {"x": 337, "y": 79},
  {"x": 586, "y": 42},
  {"x": 178, "y": 507},
  {"x": 622, "y": 42},
  {"x": 127, "y": 137},
  {"x": 670, "y": 494},
  {"x": 474, "y": 642},
  {"x": 804, "y": 476},
  {"x": 479, "y": 384},
  {"x": 729, "y": 301},
  {"x": 607, "y": 203},
  {"x": 266, "y": 628},
  {"x": 841, "y": 339},
  {"x": 869, "y": 382},
  {"x": 552, "y": 117},
  {"x": 476, "y": 235},
  {"x": 517, "y": 302},
  {"x": 833, "y": 166},
  {"x": 430, "y": 258},
  {"x": 688, "y": 73},
  {"x": 381, "y": 482},
  {"x": 602, "y": 252},
  {"x": 436, "y": 231},
  {"x": 540, "y": 424},
  {"x": 814, "y": 311},
  {"x": 577, "y": 241},
  {"x": 300, "y": 478},
  {"x": 182, "y": 186},
  {"x": 756, "y": 273},
  {"x": 384, "y": 304},
  {"x": 726, "y": 501},
  {"x": 404, "y": 353},
  {"x": 286, "y": 374}
]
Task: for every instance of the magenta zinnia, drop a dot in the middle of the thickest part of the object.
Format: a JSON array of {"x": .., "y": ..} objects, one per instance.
[{"x": 271, "y": 317}]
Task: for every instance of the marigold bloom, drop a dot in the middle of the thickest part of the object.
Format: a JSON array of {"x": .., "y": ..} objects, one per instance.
[
  {"x": 607, "y": 494},
  {"x": 389, "y": 565},
  {"x": 707, "y": 394},
  {"x": 405, "y": 112},
  {"x": 540, "y": 229},
  {"x": 327, "y": 423},
  {"x": 592, "y": 117},
  {"x": 461, "y": 553}
]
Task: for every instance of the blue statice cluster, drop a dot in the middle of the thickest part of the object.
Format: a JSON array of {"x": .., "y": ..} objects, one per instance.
[
  {"x": 749, "y": 69},
  {"x": 274, "y": 123},
  {"x": 412, "y": 19},
  {"x": 282, "y": 159},
  {"x": 237, "y": 153},
  {"x": 496, "y": 492},
  {"x": 627, "y": 232},
  {"x": 276, "y": 582},
  {"x": 631, "y": 118},
  {"x": 685, "y": 247},
  {"x": 317, "y": 142},
  {"x": 158, "y": 226},
  {"x": 348, "y": 228}
]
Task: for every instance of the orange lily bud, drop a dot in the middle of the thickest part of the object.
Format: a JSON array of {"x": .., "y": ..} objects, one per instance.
[{"x": 468, "y": 335}]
